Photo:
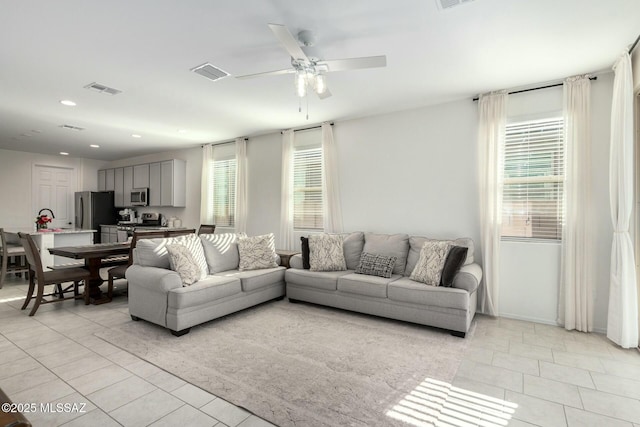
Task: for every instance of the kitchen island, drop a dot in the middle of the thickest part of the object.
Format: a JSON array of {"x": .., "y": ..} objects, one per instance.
[{"x": 52, "y": 238}]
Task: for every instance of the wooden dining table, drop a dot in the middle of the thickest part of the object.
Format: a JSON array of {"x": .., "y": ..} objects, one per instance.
[{"x": 94, "y": 257}]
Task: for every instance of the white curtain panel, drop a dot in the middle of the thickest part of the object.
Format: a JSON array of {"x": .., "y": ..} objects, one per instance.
[
  {"x": 332, "y": 215},
  {"x": 491, "y": 134},
  {"x": 286, "y": 238},
  {"x": 622, "y": 320},
  {"x": 206, "y": 190},
  {"x": 575, "y": 297},
  {"x": 241, "y": 212}
]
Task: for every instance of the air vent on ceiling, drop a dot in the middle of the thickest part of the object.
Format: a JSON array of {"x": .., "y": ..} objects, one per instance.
[
  {"x": 71, "y": 127},
  {"x": 97, "y": 87},
  {"x": 209, "y": 71},
  {"x": 448, "y": 4}
]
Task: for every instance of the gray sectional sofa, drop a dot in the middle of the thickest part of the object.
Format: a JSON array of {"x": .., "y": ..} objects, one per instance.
[
  {"x": 156, "y": 293},
  {"x": 398, "y": 297}
]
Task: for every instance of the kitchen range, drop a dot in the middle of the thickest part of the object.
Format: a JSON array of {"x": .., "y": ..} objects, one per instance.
[{"x": 149, "y": 221}]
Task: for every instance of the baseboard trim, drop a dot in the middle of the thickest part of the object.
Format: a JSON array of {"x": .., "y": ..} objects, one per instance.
[{"x": 543, "y": 321}]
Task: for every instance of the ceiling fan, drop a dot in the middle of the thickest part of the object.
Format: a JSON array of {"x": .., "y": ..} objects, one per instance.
[{"x": 310, "y": 71}]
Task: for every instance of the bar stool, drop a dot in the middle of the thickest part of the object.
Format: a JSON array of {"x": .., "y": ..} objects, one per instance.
[{"x": 9, "y": 251}]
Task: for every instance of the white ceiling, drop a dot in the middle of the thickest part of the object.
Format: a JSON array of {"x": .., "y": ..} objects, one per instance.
[{"x": 49, "y": 50}]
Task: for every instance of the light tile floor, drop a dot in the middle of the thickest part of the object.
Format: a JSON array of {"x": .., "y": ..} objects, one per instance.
[{"x": 514, "y": 373}]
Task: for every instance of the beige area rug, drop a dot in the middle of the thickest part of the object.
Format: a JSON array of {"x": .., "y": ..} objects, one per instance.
[{"x": 303, "y": 365}]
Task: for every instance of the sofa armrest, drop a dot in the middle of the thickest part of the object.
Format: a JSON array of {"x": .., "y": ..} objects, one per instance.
[
  {"x": 153, "y": 278},
  {"x": 468, "y": 278},
  {"x": 296, "y": 261}
]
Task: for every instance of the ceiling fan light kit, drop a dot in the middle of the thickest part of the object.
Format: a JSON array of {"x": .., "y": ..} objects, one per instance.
[{"x": 311, "y": 72}]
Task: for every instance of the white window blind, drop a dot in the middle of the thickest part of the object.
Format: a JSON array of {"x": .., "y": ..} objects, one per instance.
[
  {"x": 307, "y": 189},
  {"x": 532, "y": 202},
  {"x": 224, "y": 192}
]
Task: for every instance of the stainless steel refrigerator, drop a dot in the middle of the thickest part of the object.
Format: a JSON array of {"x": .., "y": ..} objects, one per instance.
[{"x": 94, "y": 208}]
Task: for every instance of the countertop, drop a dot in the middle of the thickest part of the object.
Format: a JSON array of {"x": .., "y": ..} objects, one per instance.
[{"x": 49, "y": 231}]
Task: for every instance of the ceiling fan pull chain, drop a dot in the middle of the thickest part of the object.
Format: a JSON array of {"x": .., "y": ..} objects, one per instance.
[{"x": 307, "y": 107}]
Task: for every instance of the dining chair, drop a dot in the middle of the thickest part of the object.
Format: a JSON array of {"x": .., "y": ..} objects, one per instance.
[
  {"x": 120, "y": 271},
  {"x": 40, "y": 278},
  {"x": 206, "y": 229},
  {"x": 7, "y": 252}
]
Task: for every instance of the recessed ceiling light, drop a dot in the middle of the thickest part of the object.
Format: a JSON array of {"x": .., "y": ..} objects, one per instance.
[
  {"x": 68, "y": 103},
  {"x": 135, "y": 135},
  {"x": 64, "y": 153},
  {"x": 94, "y": 146},
  {"x": 182, "y": 131}
]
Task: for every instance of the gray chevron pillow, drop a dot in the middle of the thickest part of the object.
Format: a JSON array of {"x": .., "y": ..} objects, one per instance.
[{"x": 257, "y": 252}]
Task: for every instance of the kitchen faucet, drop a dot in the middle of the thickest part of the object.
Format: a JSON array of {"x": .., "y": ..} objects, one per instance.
[{"x": 47, "y": 209}]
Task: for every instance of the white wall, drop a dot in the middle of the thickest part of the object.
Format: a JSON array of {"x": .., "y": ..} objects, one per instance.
[
  {"x": 16, "y": 187},
  {"x": 411, "y": 172},
  {"x": 529, "y": 272}
]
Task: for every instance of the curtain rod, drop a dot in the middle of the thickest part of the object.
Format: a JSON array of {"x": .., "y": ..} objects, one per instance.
[
  {"x": 309, "y": 128},
  {"x": 633, "y": 46},
  {"x": 537, "y": 88},
  {"x": 222, "y": 143}
]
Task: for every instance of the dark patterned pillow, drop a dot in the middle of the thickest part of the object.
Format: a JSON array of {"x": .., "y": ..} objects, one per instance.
[
  {"x": 376, "y": 265},
  {"x": 455, "y": 260},
  {"x": 304, "y": 248}
]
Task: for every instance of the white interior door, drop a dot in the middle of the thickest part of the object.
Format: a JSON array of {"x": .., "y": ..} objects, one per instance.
[{"x": 54, "y": 188}]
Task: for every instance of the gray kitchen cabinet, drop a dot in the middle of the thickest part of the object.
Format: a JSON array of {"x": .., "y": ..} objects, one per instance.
[
  {"x": 102, "y": 180},
  {"x": 109, "y": 234},
  {"x": 141, "y": 176},
  {"x": 110, "y": 182},
  {"x": 173, "y": 174},
  {"x": 154, "y": 184},
  {"x": 128, "y": 184},
  {"x": 118, "y": 197}
]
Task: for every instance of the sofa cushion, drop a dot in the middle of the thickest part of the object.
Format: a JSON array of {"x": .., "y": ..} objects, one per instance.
[
  {"x": 417, "y": 242},
  {"x": 407, "y": 290},
  {"x": 431, "y": 262},
  {"x": 326, "y": 253},
  {"x": 388, "y": 244},
  {"x": 360, "y": 284},
  {"x": 455, "y": 261},
  {"x": 327, "y": 280},
  {"x": 376, "y": 265},
  {"x": 352, "y": 247},
  {"x": 153, "y": 252},
  {"x": 182, "y": 262},
  {"x": 256, "y": 279},
  {"x": 257, "y": 252},
  {"x": 221, "y": 251},
  {"x": 209, "y": 289}
]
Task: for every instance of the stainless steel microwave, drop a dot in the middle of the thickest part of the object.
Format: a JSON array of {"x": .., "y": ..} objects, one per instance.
[{"x": 140, "y": 197}]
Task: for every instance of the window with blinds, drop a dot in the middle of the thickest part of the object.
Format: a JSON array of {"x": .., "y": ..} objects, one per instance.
[
  {"x": 224, "y": 192},
  {"x": 532, "y": 198},
  {"x": 307, "y": 189}
]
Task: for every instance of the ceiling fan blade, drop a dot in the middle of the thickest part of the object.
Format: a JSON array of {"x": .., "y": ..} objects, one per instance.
[
  {"x": 355, "y": 63},
  {"x": 267, "y": 73},
  {"x": 324, "y": 94},
  {"x": 289, "y": 42}
]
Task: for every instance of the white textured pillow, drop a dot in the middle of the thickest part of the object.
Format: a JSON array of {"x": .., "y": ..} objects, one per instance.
[
  {"x": 153, "y": 252},
  {"x": 182, "y": 262},
  {"x": 429, "y": 267},
  {"x": 326, "y": 253},
  {"x": 257, "y": 252}
]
